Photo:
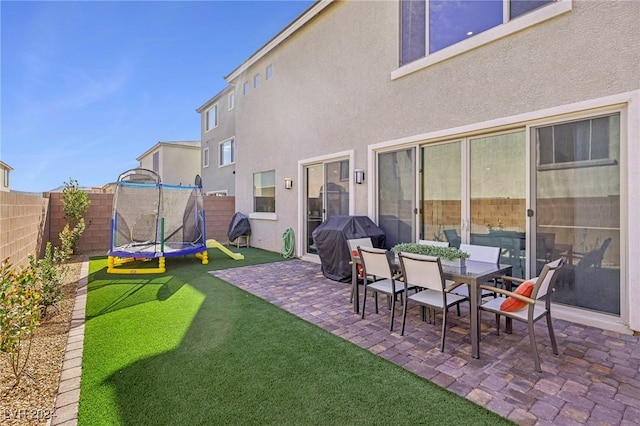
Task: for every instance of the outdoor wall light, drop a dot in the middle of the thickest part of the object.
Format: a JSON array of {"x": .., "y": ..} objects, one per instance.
[
  {"x": 288, "y": 183},
  {"x": 358, "y": 176}
]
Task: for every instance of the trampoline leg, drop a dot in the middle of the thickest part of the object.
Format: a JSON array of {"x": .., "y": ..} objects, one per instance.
[
  {"x": 204, "y": 256},
  {"x": 161, "y": 265}
]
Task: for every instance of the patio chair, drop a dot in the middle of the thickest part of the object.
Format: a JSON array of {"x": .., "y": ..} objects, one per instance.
[
  {"x": 354, "y": 243},
  {"x": 452, "y": 236},
  {"x": 425, "y": 274},
  {"x": 530, "y": 302},
  {"x": 434, "y": 243},
  {"x": 376, "y": 262}
]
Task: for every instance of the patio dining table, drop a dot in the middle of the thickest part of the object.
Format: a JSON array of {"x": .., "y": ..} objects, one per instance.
[{"x": 474, "y": 274}]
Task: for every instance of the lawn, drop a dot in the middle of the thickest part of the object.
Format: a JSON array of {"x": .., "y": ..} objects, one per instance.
[{"x": 186, "y": 348}]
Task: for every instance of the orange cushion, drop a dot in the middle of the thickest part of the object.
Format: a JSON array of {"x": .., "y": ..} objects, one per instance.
[
  {"x": 511, "y": 304},
  {"x": 360, "y": 273}
]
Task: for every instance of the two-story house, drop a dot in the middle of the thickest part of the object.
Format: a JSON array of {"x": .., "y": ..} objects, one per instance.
[
  {"x": 177, "y": 162},
  {"x": 218, "y": 143},
  {"x": 507, "y": 122}
]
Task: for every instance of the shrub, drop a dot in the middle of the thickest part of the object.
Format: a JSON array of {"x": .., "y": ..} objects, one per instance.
[
  {"x": 19, "y": 314},
  {"x": 49, "y": 273},
  {"x": 75, "y": 205},
  {"x": 447, "y": 253}
]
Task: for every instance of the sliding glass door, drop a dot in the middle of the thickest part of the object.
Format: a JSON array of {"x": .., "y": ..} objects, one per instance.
[
  {"x": 497, "y": 194},
  {"x": 441, "y": 192},
  {"x": 577, "y": 206},
  {"x": 326, "y": 194},
  {"x": 397, "y": 195}
]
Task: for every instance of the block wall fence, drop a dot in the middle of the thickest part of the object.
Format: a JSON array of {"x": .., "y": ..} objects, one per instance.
[{"x": 28, "y": 221}]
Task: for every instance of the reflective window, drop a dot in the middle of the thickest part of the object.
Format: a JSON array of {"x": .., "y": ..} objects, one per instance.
[
  {"x": 227, "y": 152},
  {"x": 520, "y": 7},
  {"x": 212, "y": 117},
  {"x": 453, "y": 21},
  {"x": 264, "y": 192}
]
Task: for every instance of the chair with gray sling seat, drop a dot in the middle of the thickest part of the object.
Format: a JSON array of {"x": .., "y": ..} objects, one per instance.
[
  {"x": 376, "y": 262},
  {"x": 425, "y": 274},
  {"x": 530, "y": 302}
]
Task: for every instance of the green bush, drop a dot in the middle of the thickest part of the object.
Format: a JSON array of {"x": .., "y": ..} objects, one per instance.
[
  {"x": 49, "y": 273},
  {"x": 447, "y": 253},
  {"x": 19, "y": 314},
  {"x": 75, "y": 205}
]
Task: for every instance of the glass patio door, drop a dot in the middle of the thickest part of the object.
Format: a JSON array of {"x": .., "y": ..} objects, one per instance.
[
  {"x": 577, "y": 209},
  {"x": 441, "y": 192},
  {"x": 326, "y": 194},
  {"x": 497, "y": 194},
  {"x": 397, "y": 195}
]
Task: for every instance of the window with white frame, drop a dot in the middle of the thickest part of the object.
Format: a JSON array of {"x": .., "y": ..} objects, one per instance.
[
  {"x": 5, "y": 174},
  {"x": 245, "y": 88},
  {"x": 211, "y": 117},
  {"x": 575, "y": 144},
  {"x": 264, "y": 192},
  {"x": 156, "y": 161},
  {"x": 269, "y": 72},
  {"x": 231, "y": 101},
  {"x": 220, "y": 193},
  {"x": 205, "y": 157},
  {"x": 256, "y": 80},
  {"x": 227, "y": 153},
  {"x": 428, "y": 26}
]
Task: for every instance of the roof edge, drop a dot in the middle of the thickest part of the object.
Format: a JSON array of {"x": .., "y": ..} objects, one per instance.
[{"x": 284, "y": 34}]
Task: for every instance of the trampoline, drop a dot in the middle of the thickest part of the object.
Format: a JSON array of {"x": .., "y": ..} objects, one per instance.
[{"x": 152, "y": 220}]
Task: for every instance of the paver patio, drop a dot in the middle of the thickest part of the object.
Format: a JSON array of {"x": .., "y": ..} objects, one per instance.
[{"x": 594, "y": 380}]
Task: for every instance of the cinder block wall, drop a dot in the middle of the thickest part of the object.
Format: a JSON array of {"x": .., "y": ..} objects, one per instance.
[
  {"x": 218, "y": 213},
  {"x": 22, "y": 225}
]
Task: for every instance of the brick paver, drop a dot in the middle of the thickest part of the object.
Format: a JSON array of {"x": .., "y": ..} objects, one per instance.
[{"x": 594, "y": 380}]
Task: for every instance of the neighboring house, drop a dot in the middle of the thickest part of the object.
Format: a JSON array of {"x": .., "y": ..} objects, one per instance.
[
  {"x": 5, "y": 169},
  {"x": 218, "y": 143},
  {"x": 511, "y": 123},
  {"x": 177, "y": 162}
]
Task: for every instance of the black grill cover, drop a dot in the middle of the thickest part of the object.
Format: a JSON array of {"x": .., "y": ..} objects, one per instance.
[
  {"x": 331, "y": 236},
  {"x": 238, "y": 226}
]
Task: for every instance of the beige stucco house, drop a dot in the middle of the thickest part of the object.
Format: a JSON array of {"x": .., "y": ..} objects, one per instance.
[
  {"x": 513, "y": 123},
  {"x": 5, "y": 169},
  {"x": 177, "y": 162}
]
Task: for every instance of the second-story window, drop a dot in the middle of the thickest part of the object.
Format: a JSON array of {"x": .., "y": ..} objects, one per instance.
[
  {"x": 428, "y": 26},
  {"x": 156, "y": 161},
  {"x": 245, "y": 88},
  {"x": 256, "y": 80},
  {"x": 211, "y": 117},
  {"x": 227, "y": 152},
  {"x": 231, "y": 101},
  {"x": 269, "y": 72}
]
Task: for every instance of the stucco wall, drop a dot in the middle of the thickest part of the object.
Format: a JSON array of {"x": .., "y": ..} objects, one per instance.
[
  {"x": 215, "y": 178},
  {"x": 332, "y": 88},
  {"x": 22, "y": 224},
  {"x": 179, "y": 165}
]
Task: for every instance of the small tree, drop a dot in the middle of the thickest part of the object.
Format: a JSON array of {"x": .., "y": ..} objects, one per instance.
[
  {"x": 49, "y": 272},
  {"x": 19, "y": 315},
  {"x": 75, "y": 205}
]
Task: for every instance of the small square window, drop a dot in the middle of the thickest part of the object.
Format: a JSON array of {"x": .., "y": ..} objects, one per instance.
[
  {"x": 256, "y": 80},
  {"x": 245, "y": 88},
  {"x": 269, "y": 72},
  {"x": 231, "y": 101},
  {"x": 205, "y": 157}
]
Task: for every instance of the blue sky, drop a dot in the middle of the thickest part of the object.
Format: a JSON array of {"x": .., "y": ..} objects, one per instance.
[{"x": 87, "y": 87}]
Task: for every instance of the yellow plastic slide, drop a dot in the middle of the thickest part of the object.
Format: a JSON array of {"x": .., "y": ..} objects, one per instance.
[{"x": 217, "y": 245}]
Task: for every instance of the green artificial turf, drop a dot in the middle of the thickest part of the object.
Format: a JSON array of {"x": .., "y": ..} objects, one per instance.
[{"x": 186, "y": 348}]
